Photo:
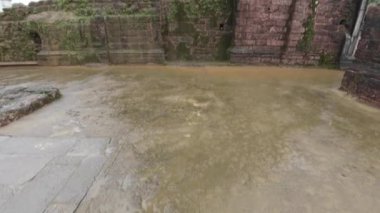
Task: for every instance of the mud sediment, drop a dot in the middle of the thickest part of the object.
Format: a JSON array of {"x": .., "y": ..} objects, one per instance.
[{"x": 214, "y": 139}]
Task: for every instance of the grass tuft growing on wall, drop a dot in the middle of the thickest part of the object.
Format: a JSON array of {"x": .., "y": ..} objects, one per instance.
[{"x": 307, "y": 40}]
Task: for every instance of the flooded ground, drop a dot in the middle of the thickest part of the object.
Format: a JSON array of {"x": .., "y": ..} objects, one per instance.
[{"x": 214, "y": 139}]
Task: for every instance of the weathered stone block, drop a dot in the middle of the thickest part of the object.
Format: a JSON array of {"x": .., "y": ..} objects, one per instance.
[
  {"x": 16, "y": 102},
  {"x": 364, "y": 85}
]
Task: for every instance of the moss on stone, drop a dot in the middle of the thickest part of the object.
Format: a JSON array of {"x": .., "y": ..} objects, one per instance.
[
  {"x": 71, "y": 38},
  {"x": 223, "y": 47},
  {"x": 306, "y": 42},
  {"x": 183, "y": 52},
  {"x": 17, "y": 44},
  {"x": 327, "y": 60},
  {"x": 190, "y": 18},
  {"x": 213, "y": 21},
  {"x": 204, "y": 40}
]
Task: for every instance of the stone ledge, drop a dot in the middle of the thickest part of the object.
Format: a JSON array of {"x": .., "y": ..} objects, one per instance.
[
  {"x": 115, "y": 56},
  {"x": 364, "y": 85},
  {"x": 129, "y": 51},
  {"x": 18, "y": 63}
]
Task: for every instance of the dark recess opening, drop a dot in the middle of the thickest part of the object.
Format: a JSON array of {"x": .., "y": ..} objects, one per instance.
[
  {"x": 346, "y": 25},
  {"x": 36, "y": 38},
  {"x": 343, "y": 22},
  {"x": 221, "y": 27}
]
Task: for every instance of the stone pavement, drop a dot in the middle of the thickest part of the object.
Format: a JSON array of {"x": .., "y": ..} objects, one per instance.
[{"x": 47, "y": 174}]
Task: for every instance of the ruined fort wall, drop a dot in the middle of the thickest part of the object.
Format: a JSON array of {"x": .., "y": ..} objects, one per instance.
[
  {"x": 260, "y": 31},
  {"x": 330, "y": 19},
  {"x": 15, "y": 41},
  {"x": 111, "y": 39},
  {"x": 270, "y": 31},
  {"x": 290, "y": 31},
  {"x": 80, "y": 31},
  {"x": 191, "y": 31},
  {"x": 14, "y": 45}
]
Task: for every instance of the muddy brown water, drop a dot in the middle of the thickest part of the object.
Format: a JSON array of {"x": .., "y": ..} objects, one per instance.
[{"x": 214, "y": 139}]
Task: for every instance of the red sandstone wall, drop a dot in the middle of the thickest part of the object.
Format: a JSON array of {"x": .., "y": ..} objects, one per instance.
[
  {"x": 270, "y": 31},
  {"x": 369, "y": 45},
  {"x": 294, "y": 34},
  {"x": 260, "y": 30},
  {"x": 329, "y": 35}
]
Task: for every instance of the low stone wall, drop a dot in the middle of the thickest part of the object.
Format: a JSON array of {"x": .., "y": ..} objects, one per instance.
[
  {"x": 364, "y": 85},
  {"x": 303, "y": 32}
]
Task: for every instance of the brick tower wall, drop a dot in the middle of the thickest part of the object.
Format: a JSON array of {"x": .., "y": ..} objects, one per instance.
[{"x": 273, "y": 31}]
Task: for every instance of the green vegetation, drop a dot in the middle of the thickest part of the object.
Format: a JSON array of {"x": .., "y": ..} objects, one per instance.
[
  {"x": 180, "y": 9},
  {"x": 71, "y": 37},
  {"x": 11, "y": 50},
  {"x": 20, "y": 46},
  {"x": 223, "y": 46},
  {"x": 307, "y": 40},
  {"x": 190, "y": 17},
  {"x": 374, "y": 1},
  {"x": 16, "y": 14},
  {"x": 327, "y": 60},
  {"x": 81, "y": 7},
  {"x": 183, "y": 52},
  {"x": 16, "y": 41},
  {"x": 33, "y": 26}
]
